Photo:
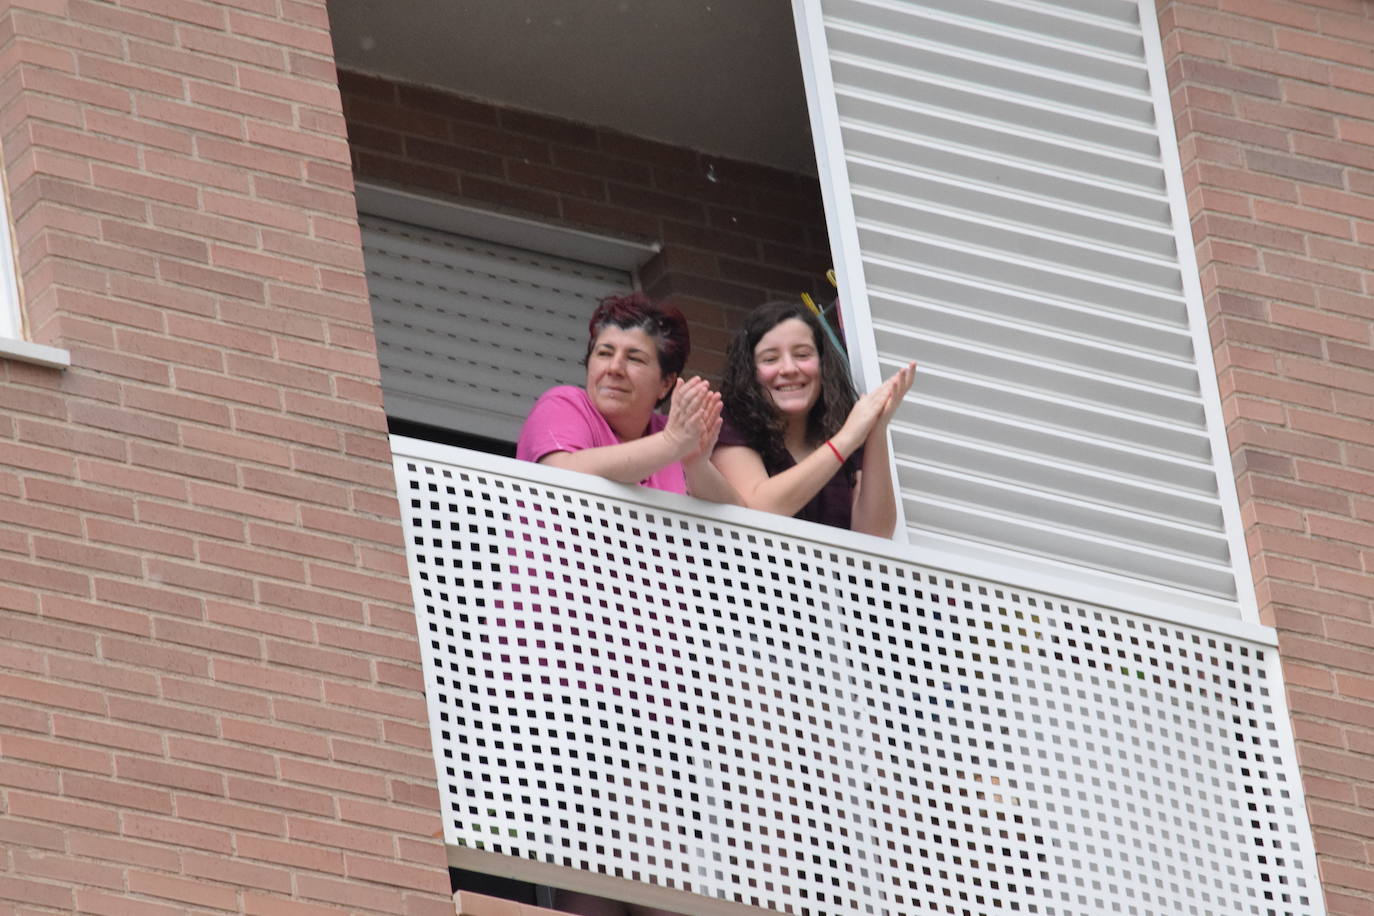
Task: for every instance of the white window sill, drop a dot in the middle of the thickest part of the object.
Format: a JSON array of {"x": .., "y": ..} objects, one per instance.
[{"x": 38, "y": 354}]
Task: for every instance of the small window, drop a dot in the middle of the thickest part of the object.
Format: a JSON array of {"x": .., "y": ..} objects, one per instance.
[
  {"x": 470, "y": 331},
  {"x": 13, "y": 344}
]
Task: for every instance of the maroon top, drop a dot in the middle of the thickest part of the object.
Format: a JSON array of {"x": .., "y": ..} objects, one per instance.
[{"x": 835, "y": 501}]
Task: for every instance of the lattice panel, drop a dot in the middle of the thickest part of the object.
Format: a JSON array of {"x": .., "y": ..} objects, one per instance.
[
  {"x": 1038, "y": 756},
  {"x": 808, "y": 728}
]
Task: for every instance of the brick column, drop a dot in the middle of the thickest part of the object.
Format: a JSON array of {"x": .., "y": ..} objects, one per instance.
[
  {"x": 1274, "y": 104},
  {"x": 209, "y": 687},
  {"x": 470, "y": 904}
]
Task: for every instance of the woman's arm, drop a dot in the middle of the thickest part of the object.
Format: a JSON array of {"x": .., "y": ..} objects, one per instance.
[
  {"x": 875, "y": 502},
  {"x": 783, "y": 494},
  {"x": 787, "y": 492},
  {"x": 631, "y": 462},
  {"x": 874, "y": 510},
  {"x": 628, "y": 462},
  {"x": 704, "y": 481}
]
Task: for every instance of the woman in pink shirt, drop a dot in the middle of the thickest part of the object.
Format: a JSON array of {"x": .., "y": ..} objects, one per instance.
[{"x": 636, "y": 349}]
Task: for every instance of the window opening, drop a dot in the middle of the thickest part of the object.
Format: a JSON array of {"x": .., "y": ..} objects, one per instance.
[
  {"x": 470, "y": 332},
  {"x": 13, "y": 344}
]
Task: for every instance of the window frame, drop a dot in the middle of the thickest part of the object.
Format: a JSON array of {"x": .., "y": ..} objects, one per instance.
[
  {"x": 538, "y": 238},
  {"x": 965, "y": 554},
  {"x": 13, "y": 342},
  {"x": 505, "y": 228}
]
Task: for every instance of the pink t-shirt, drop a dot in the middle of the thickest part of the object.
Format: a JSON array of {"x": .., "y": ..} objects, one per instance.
[{"x": 564, "y": 420}]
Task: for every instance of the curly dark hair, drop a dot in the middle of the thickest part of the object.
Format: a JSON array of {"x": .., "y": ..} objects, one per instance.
[
  {"x": 663, "y": 323},
  {"x": 750, "y": 409}
]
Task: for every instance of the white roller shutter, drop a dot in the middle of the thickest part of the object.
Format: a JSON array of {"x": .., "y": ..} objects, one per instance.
[
  {"x": 469, "y": 332},
  {"x": 1015, "y": 235}
]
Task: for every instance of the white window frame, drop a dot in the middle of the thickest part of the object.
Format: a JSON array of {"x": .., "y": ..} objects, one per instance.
[
  {"x": 1197, "y": 314},
  {"x": 493, "y": 226},
  {"x": 13, "y": 344},
  {"x": 486, "y": 226}
]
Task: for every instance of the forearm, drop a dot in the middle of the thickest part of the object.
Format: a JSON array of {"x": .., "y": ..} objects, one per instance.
[
  {"x": 704, "y": 481},
  {"x": 875, "y": 504},
  {"x": 627, "y": 462},
  {"x": 787, "y": 492}
]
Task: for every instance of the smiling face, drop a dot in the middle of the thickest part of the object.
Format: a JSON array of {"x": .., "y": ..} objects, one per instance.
[
  {"x": 624, "y": 380},
  {"x": 787, "y": 366}
]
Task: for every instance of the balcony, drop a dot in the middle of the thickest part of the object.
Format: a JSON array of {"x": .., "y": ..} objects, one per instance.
[{"x": 637, "y": 691}]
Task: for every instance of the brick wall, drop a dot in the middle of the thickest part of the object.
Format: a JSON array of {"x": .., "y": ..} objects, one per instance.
[
  {"x": 469, "y": 904},
  {"x": 1274, "y": 103},
  {"x": 733, "y": 233},
  {"x": 209, "y": 685}
]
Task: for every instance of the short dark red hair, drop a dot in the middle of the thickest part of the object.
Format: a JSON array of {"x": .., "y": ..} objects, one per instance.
[{"x": 663, "y": 323}]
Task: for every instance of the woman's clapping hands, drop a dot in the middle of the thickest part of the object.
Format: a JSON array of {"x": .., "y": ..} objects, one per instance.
[
  {"x": 694, "y": 419},
  {"x": 872, "y": 412}
]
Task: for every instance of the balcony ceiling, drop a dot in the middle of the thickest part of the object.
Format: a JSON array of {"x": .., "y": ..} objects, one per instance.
[{"x": 720, "y": 76}]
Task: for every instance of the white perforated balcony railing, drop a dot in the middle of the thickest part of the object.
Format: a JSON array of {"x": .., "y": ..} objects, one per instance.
[{"x": 768, "y": 713}]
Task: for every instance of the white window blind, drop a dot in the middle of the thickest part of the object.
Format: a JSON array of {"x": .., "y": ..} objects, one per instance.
[
  {"x": 469, "y": 332},
  {"x": 1015, "y": 236}
]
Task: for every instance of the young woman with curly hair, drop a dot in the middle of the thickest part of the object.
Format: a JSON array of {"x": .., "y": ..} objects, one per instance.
[{"x": 797, "y": 439}]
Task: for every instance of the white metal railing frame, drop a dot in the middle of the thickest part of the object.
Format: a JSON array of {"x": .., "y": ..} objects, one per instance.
[
  {"x": 1167, "y": 606},
  {"x": 1073, "y": 583}
]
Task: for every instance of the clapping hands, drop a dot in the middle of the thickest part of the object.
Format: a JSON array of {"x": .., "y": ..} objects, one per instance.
[
  {"x": 872, "y": 412},
  {"x": 897, "y": 385},
  {"x": 694, "y": 418}
]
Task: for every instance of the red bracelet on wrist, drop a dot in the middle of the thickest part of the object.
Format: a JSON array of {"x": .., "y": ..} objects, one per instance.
[{"x": 838, "y": 456}]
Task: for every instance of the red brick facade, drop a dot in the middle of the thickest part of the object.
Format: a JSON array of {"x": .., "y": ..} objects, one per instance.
[
  {"x": 470, "y": 904},
  {"x": 733, "y": 233},
  {"x": 1274, "y": 105},
  {"x": 209, "y": 695}
]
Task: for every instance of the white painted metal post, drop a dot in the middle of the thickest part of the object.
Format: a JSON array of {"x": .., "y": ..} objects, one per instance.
[{"x": 839, "y": 213}]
